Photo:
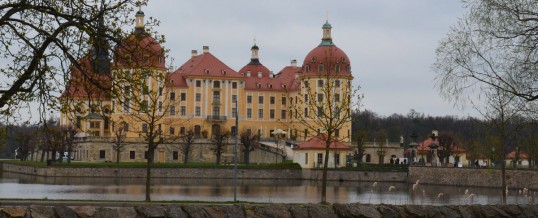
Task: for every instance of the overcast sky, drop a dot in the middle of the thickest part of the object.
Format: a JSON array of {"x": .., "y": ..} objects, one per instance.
[{"x": 391, "y": 44}]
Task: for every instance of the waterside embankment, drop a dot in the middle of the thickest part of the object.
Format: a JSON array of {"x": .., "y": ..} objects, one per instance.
[{"x": 271, "y": 210}]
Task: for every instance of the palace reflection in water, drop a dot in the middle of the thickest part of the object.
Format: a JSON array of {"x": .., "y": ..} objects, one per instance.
[{"x": 21, "y": 186}]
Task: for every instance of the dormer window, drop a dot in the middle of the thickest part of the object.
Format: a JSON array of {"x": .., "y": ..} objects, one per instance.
[
  {"x": 313, "y": 59},
  {"x": 259, "y": 74},
  {"x": 270, "y": 86},
  {"x": 224, "y": 72},
  {"x": 171, "y": 81},
  {"x": 320, "y": 68},
  {"x": 337, "y": 68},
  {"x": 343, "y": 59},
  {"x": 206, "y": 71},
  {"x": 146, "y": 58},
  {"x": 248, "y": 73},
  {"x": 307, "y": 68},
  {"x": 259, "y": 85},
  {"x": 284, "y": 86}
]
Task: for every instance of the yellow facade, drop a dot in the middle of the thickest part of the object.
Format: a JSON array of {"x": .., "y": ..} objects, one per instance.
[{"x": 200, "y": 96}]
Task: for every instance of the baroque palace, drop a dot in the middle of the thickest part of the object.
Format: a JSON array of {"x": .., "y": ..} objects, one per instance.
[{"x": 200, "y": 96}]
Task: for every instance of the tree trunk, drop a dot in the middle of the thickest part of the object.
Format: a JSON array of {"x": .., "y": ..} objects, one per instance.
[
  {"x": 218, "y": 155},
  {"x": 246, "y": 154},
  {"x": 118, "y": 156},
  {"x": 148, "y": 172},
  {"x": 325, "y": 165},
  {"x": 503, "y": 172},
  {"x": 186, "y": 154}
]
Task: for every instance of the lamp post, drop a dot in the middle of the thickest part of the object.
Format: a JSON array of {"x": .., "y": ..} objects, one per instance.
[{"x": 235, "y": 149}]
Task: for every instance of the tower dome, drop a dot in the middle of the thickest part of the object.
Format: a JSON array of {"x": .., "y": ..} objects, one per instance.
[
  {"x": 139, "y": 49},
  {"x": 327, "y": 57},
  {"x": 255, "y": 68}
]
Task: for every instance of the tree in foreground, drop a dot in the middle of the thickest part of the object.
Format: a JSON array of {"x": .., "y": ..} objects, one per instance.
[
  {"x": 494, "y": 45},
  {"x": 249, "y": 141},
  {"x": 42, "y": 40},
  {"x": 186, "y": 143},
  {"x": 220, "y": 141},
  {"x": 118, "y": 141}
]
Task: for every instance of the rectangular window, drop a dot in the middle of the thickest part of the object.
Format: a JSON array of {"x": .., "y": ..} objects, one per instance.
[
  {"x": 272, "y": 114},
  {"x": 306, "y": 112},
  {"x": 305, "y": 98},
  {"x": 125, "y": 127},
  {"x": 172, "y": 110},
  {"x": 183, "y": 96},
  {"x": 272, "y": 100},
  {"x": 198, "y": 97},
  {"x": 260, "y": 114},
  {"x": 283, "y": 101},
  {"x": 234, "y": 98},
  {"x": 79, "y": 121},
  {"x": 145, "y": 154},
  {"x": 320, "y": 97},
  {"x": 320, "y": 83},
  {"x": 171, "y": 130},
  {"x": 172, "y": 96},
  {"x": 197, "y": 111},
  {"x": 160, "y": 106},
  {"x": 132, "y": 155},
  {"x": 337, "y": 159},
  {"x": 216, "y": 84},
  {"x": 234, "y": 112},
  {"x": 216, "y": 97},
  {"x": 160, "y": 91},
  {"x": 260, "y": 99},
  {"x": 337, "y": 132},
  {"x": 337, "y": 83},
  {"x": 126, "y": 105},
  {"x": 198, "y": 83},
  {"x": 249, "y": 99},
  {"x": 337, "y": 97},
  {"x": 320, "y": 111},
  {"x": 283, "y": 114},
  {"x": 175, "y": 155},
  {"x": 249, "y": 113},
  {"x": 144, "y": 127},
  {"x": 183, "y": 110},
  {"x": 234, "y": 85},
  {"x": 102, "y": 154},
  {"x": 306, "y": 158},
  {"x": 182, "y": 130}
]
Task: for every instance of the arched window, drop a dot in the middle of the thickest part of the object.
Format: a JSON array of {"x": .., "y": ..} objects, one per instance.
[{"x": 307, "y": 68}]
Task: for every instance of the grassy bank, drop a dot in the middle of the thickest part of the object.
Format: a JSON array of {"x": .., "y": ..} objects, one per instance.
[{"x": 285, "y": 165}]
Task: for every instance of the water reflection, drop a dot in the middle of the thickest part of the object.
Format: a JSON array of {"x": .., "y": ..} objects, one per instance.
[{"x": 14, "y": 185}]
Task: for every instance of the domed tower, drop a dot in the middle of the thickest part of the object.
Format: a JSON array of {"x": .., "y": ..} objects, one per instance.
[
  {"x": 254, "y": 70},
  {"x": 327, "y": 57}
]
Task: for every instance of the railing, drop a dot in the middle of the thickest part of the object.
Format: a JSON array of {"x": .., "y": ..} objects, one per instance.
[{"x": 216, "y": 117}]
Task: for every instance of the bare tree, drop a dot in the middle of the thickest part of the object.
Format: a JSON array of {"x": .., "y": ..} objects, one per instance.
[
  {"x": 361, "y": 137},
  {"x": 325, "y": 103},
  {"x": 118, "y": 142},
  {"x": 249, "y": 141},
  {"x": 220, "y": 141},
  {"x": 187, "y": 141},
  {"x": 68, "y": 134},
  {"x": 494, "y": 44},
  {"x": 501, "y": 111},
  {"x": 43, "y": 39}
]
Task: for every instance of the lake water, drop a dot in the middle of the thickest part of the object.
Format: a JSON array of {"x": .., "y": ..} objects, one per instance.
[{"x": 21, "y": 186}]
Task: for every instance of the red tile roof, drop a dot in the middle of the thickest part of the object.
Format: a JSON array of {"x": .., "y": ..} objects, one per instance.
[
  {"x": 323, "y": 54},
  {"x": 206, "y": 65},
  {"x": 139, "y": 50},
  {"x": 318, "y": 143},
  {"x": 423, "y": 146},
  {"x": 512, "y": 155},
  {"x": 84, "y": 83}
]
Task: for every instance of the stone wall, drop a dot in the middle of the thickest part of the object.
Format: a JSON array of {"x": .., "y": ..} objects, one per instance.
[
  {"x": 479, "y": 177},
  {"x": 271, "y": 210},
  {"x": 206, "y": 173}
]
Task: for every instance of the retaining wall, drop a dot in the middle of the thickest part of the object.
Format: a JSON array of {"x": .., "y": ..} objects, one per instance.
[
  {"x": 274, "y": 210},
  {"x": 206, "y": 173},
  {"x": 479, "y": 177}
]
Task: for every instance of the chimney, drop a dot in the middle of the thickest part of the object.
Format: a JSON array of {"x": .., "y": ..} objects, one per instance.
[
  {"x": 294, "y": 63},
  {"x": 194, "y": 53},
  {"x": 206, "y": 49}
]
